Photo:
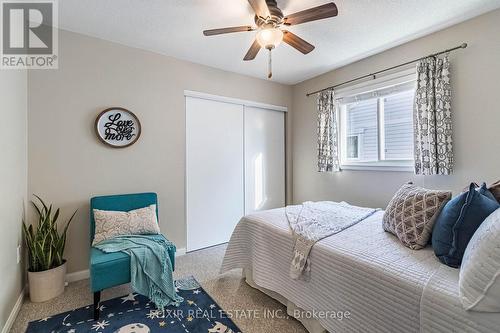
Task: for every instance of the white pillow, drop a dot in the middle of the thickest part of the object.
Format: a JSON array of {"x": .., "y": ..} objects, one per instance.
[
  {"x": 479, "y": 281},
  {"x": 109, "y": 224}
]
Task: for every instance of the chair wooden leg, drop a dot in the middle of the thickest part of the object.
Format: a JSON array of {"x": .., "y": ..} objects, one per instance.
[{"x": 97, "y": 299}]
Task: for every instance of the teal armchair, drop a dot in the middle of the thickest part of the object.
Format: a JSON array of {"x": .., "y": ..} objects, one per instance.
[{"x": 112, "y": 269}]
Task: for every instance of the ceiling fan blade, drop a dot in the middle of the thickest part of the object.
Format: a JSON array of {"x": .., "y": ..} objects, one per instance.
[
  {"x": 252, "y": 52},
  {"x": 312, "y": 14},
  {"x": 297, "y": 42},
  {"x": 212, "y": 32},
  {"x": 260, "y": 8}
]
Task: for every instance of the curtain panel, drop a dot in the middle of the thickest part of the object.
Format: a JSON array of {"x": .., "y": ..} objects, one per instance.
[
  {"x": 432, "y": 118},
  {"x": 328, "y": 160}
]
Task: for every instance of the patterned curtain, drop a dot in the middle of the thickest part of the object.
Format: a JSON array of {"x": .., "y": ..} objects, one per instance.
[
  {"x": 432, "y": 118},
  {"x": 327, "y": 132}
]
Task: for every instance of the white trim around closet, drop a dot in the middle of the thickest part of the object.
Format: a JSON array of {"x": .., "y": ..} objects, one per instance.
[{"x": 244, "y": 102}]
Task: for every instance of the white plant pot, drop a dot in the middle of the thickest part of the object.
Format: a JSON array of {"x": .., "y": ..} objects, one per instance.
[{"x": 48, "y": 284}]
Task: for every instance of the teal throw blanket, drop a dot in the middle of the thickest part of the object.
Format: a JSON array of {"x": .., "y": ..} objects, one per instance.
[{"x": 150, "y": 266}]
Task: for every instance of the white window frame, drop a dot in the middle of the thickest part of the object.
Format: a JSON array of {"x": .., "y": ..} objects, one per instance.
[{"x": 404, "y": 76}]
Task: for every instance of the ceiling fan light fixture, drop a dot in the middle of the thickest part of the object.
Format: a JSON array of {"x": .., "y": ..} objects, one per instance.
[
  {"x": 268, "y": 20},
  {"x": 269, "y": 38}
]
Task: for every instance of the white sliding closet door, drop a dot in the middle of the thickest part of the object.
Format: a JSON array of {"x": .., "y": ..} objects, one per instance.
[
  {"x": 214, "y": 171},
  {"x": 264, "y": 159}
]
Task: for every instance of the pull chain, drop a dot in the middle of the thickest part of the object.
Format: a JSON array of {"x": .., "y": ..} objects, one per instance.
[{"x": 270, "y": 65}]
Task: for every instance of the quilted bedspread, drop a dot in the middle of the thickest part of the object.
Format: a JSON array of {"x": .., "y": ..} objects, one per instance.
[{"x": 363, "y": 271}]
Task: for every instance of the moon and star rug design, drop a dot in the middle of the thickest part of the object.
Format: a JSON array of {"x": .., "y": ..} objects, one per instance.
[{"x": 134, "y": 313}]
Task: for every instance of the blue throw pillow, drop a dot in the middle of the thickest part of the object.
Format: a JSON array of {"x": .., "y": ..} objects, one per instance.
[
  {"x": 484, "y": 191},
  {"x": 458, "y": 221}
]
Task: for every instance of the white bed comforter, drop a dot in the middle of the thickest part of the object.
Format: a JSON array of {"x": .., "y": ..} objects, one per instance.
[{"x": 385, "y": 286}]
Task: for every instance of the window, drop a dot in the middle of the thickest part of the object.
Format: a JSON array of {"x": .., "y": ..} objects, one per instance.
[
  {"x": 361, "y": 122},
  {"x": 353, "y": 147},
  {"x": 398, "y": 126},
  {"x": 376, "y": 126}
]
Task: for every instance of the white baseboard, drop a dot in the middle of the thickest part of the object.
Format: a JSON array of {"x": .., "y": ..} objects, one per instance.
[
  {"x": 180, "y": 252},
  {"x": 77, "y": 276},
  {"x": 85, "y": 274},
  {"x": 13, "y": 314}
]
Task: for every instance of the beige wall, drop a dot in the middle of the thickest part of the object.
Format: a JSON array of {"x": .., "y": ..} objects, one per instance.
[
  {"x": 476, "y": 118},
  {"x": 13, "y": 177},
  {"x": 67, "y": 163}
]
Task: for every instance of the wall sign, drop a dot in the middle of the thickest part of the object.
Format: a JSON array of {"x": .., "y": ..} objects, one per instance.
[{"x": 118, "y": 127}]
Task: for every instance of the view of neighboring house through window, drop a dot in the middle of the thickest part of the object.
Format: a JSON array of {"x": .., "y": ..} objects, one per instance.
[
  {"x": 376, "y": 127},
  {"x": 398, "y": 126},
  {"x": 353, "y": 147},
  {"x": 362, "y": 131}
]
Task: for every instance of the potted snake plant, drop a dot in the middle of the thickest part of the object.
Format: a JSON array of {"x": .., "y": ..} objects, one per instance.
[{"x": 45, "y": 244}]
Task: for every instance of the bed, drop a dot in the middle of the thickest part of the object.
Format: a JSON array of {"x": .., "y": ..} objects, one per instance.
[{"x": 362, "y": 271}]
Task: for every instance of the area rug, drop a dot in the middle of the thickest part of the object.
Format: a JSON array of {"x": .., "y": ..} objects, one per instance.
[{"x": 133, "y": 313}]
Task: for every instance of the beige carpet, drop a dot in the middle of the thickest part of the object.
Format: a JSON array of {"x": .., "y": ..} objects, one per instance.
[{"x": 229, "y": 290}]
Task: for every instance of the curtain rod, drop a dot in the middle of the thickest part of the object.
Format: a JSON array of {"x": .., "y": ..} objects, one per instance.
[{"x": 373, "y": 75}]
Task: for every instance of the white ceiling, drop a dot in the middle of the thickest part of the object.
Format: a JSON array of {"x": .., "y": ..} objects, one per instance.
[{"x": 174, "y": 27}]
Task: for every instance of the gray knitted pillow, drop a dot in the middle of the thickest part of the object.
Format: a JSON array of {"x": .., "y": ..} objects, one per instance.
[{"x": 411, "y": 214}]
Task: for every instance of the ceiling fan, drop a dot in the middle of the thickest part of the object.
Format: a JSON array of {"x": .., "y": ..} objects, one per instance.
[{"x": 269, "y": 20}]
